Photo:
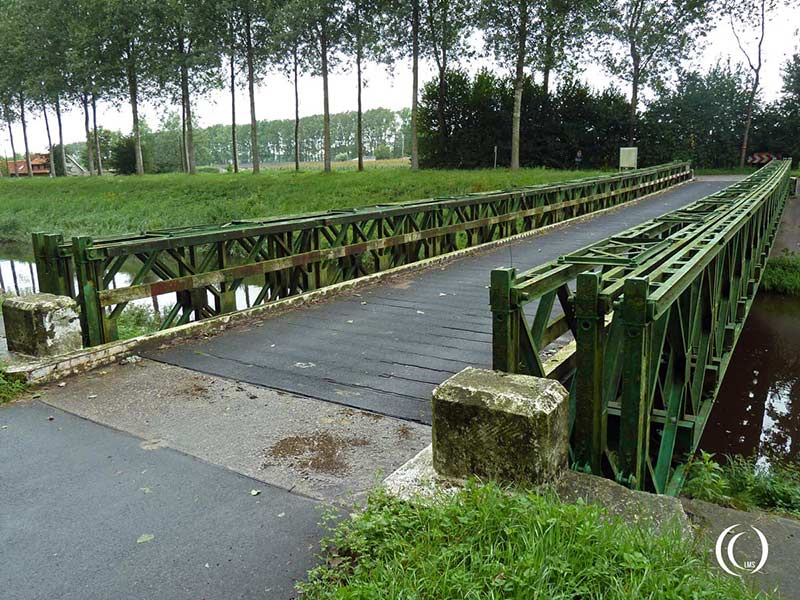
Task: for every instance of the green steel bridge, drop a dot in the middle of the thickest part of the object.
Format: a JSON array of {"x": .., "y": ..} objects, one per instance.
[{"x": 639, "y": 326}]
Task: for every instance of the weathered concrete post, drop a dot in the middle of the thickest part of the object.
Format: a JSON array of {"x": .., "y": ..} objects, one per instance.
[
  {"x": 512, "y": 428},
  {"x": 42, "y": 324}
]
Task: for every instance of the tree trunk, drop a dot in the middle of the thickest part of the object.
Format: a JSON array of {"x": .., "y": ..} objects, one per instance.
[
  {"x": 414, "y": 83},
  {"x": 234, "y": 141},
  {"x": 326, "y": 115},
  {"x": 182, "y": 143},
  {"x": 50, "y": 163},
  {"x": 749, "y": 120},
  {"x": 296, "y": 113},
  {"x": 61, "y": 138},
  {"x": 98, "y": 154},
  {"x": 251, "y": 87},
  {"x": 13, "y": 151},
  {"x": 191, "y": 166},
  {"x": 25, "y": 135},
  {"x": 634, "y": 103},
  {"x": 87, "y": 129},
  {"x": 547, "y": 64},
  {"x": 519, "y": 81},
  {"x": 359, "y": 114},
  {"x": 133, "y": 91}
]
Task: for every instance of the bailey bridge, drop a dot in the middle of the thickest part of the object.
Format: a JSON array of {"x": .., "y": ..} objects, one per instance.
[{"x": 630, "y": 288}]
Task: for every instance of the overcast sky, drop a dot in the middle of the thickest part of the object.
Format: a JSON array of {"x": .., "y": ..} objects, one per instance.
[{"x": 392, "y": 88}]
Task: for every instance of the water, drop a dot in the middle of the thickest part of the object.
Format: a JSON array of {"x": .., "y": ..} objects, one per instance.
[
  {"x": 18, "y": 277},
  {"x": 757, "y": 412}
]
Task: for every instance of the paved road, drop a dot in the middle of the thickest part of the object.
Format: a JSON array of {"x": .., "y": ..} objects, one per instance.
[
  {"x": 76, "y": 496},
  {"x": 386, "y": 349}
]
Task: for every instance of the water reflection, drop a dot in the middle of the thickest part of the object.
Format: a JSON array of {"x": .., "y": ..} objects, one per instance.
[
  {"x": 18, "y": 277},
  {"x": 757, "y": 412}
]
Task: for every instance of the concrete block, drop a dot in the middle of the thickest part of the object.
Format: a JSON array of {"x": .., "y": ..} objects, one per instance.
[
  {"x": 511, "y": 428},
  {"x": 42, "y": 324}
]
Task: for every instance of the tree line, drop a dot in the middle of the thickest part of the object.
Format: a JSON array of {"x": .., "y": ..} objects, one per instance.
[
  {"x": 76, "y": 53},
  {"x": 699, "y": 118}
]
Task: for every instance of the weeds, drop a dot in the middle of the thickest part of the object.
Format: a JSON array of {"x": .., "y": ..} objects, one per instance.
[
  {"x": 9, "y": 388},
  {"x": 745, "y": 484},
  {"x": 486, "y": 542}
]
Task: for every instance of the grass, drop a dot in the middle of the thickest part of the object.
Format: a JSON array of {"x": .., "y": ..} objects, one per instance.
[
  {"x": 486, "y": 542},
  {"x": 113, "y": 205},
  {"x": 742, "y": 483},
  {"x": 782, "y": 274}
]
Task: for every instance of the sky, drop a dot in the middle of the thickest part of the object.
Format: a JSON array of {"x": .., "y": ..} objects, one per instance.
[{"x": 390, "y": 87}]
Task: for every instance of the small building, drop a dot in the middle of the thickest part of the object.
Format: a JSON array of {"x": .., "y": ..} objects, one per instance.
[{"x": 40, "y": 165}]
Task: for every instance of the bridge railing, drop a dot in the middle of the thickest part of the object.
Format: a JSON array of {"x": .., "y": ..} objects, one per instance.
[
  {"x": 205, "y": 266},
  {"x": 640, "y": 327}
]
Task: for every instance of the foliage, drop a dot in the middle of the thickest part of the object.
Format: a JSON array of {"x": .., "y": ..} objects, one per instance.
[
  {"x": 478, "y": 115},
  {"x": 9, "y": 388},
  {"x": 746, "y": 484},
  {"x": 113, "y": 205},
  {"x": 489, "y": 542},
  {"x": 782, "y": 274},
  {"x": 123, "y": 156},
  {"x": 137, "y": 320},
  {"x": 706, "y": 480}
]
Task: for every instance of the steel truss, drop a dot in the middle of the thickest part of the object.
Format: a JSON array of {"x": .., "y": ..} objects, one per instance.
[
  {"x": 640, "y": 327},
  {"x": 204, "y": 266}
]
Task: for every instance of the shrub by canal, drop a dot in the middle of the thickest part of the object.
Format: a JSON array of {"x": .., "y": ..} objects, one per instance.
[
  {"x": 745, "y": 484},
  {"x": 487, "y": 542},
  {"x": 782, "y": 274}
]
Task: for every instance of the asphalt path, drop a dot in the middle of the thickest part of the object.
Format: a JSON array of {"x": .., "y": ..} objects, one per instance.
[{"x": 88, "y": 512}]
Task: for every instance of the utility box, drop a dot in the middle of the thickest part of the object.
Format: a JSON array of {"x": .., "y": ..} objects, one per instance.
[{"x": 628, "y": 158}]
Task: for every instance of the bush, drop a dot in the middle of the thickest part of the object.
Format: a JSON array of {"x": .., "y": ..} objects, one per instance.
[
  {"x": 341, "y": 156},
  {"x": 123, "y": 156},
  {"x": 782, "y": 274},
  {"x": 383, "y": 152}
]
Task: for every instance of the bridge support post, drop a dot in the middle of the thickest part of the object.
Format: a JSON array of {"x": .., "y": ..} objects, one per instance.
[
  {"x": 96, "y": 327},
  {"x": 587, "y": 432},
  {"x": 511, "y": 428},
  {"x": 505, "y": 329},
  {"x": 633, "y": 442}
]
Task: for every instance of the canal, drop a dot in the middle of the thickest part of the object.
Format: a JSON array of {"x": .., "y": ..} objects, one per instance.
[{"x": 757, "y": 413}]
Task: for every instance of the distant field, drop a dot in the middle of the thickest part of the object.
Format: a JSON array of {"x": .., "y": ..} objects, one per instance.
[{"x": 111, "y": 205}]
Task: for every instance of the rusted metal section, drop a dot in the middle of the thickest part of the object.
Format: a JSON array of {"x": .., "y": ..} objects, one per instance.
[
  {"x": 652, "y": 317},
  {"x": 205, "y": 266}
]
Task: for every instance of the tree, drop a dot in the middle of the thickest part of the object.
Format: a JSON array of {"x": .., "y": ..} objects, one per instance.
[
  {"x": 365, "y": 25},
  {"x": 323, "y": 24},
  {"x": 444, "y": 32},
  {"x": 130, "y": 28},
  {"x": 648, "y": 38},
  {"x": 188, "y": 33},
  {"x": 753, "y": 15},
  {"x": 509, "y": 29}
]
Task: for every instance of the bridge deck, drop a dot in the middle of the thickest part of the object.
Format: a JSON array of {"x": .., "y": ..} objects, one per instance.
[{"x": 385, "y": 349}]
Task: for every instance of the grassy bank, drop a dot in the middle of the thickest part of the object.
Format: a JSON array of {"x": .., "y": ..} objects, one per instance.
[
  {"x": 112, "y": 205},
  {"x": 486, "y": 543},
  {"x": 740, "y": 483},
  {"x": 782, "y": 274}
]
